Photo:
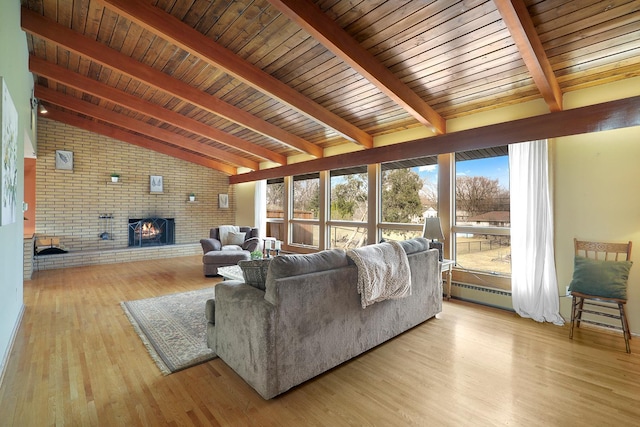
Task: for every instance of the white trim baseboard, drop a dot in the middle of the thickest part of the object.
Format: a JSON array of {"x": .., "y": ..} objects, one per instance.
[{"x": 5, "y": 358}]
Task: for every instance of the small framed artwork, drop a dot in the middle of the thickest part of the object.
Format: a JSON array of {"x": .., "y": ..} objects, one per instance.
[
  {"x": 223, "y": 201},
  {"x": 156, "y": 184},
  {"x": 64, "y": 160}
]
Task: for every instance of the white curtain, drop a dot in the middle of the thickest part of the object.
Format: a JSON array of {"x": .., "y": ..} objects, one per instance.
[
  {"x": 260, "y": 204},
  {"x": 534, "y": 284}
]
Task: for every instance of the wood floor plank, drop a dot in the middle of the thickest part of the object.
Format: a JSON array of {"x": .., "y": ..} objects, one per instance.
[{"x": 77, "y": 361}]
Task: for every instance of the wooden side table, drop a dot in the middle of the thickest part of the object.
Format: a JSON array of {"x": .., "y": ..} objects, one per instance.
[{"x": 446, "y": 266}]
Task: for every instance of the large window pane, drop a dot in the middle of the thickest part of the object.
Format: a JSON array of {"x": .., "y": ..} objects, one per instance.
[
  {"x": 306, "y": 196},
  {"x": 390, "y": 234},
  {"x": 409, "y": 190},
  {"x": 482, "y": 217},
  {"x": 349, "y": 191},
  {"x": 275, "y": 198},
  {"x": 484, "y": 252},
  {"x": 305, "y": 234},
  {"x": 344, "y": 237}
]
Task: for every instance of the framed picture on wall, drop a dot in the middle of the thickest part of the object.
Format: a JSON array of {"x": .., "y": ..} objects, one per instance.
[
  {"x": 223, "y": 201},
  {"x": 9, "y": 156},
  {"x": 64, "y": 160},
  {"x": 156, "y": 184}
]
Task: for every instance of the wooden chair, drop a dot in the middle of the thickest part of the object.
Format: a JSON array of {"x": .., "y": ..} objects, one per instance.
[{"x": 599, "y": 305}]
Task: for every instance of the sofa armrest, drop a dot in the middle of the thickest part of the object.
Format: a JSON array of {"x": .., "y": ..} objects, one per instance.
[
  {"x": 245, "y": 337},
  {"x": 210, "y": 244},
  {"x": 251, "y": 244}
]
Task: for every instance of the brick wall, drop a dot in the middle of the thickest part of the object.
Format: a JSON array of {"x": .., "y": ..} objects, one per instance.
[{"x": 69, "y": 203}]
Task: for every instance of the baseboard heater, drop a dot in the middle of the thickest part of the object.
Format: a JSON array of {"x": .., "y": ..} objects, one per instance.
[{"x": 479, "y": 288}]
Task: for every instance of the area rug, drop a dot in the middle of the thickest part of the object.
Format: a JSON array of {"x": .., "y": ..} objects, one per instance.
[{"x": 173, "y": 328}]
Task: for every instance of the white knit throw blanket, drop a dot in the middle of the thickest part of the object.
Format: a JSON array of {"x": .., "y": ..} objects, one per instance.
[
  {"x": 383, "y": 272},
  {"x": 224, "y": 231}
]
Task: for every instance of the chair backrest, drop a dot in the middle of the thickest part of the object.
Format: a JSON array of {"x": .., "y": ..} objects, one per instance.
[
  {"x": 214, "y": 232},
  {"x": 603, "y": 251}
]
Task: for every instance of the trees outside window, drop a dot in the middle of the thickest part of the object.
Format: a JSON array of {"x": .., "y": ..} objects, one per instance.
[
  {"x": 348, "y": 207},
  {"x": 477, "y": 195},
  {"x": 305, "y": 228},
  {"x": 306, "y": 196},
  {"x": 349, "y": 197},
  {"x": 275, "y": 208},
  {"x": 401, "y": 196},
  {"x": 275, "y": 198},
  {"x": 408, "y": 194}
]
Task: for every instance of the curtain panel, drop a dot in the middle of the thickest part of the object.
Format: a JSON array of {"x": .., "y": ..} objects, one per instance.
[{"x": 534, "y": 284}]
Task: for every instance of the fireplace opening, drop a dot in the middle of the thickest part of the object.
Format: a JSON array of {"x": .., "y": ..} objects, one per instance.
[{"x": 151, "y": 231}]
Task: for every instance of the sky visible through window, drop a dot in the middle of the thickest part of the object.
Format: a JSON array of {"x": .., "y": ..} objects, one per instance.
[{"x": 491, "y": 167}]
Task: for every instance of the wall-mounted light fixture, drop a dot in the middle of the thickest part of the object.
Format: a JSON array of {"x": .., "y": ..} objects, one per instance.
[{"x": 35, "y": 103}]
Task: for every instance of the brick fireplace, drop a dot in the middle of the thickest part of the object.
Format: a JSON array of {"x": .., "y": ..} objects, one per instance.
[{"x": 151, "y": 231}]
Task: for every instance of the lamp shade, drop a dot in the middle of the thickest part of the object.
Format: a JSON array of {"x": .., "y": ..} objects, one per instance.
[{"x": 432, "y": 229}]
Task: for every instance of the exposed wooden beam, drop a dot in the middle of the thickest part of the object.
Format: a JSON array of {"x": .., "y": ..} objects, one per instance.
[
  {"x": 48, "y": 29},
  {"x": 175, "y": 31},
  {"x": 84, "y": 84},
  {"x": 516, "y": 16},
  {"x": 140, "y": 141},
  {"x": 311, "y": 18},
  {"x": 594, "y": 118},
  {"x": 71, "y": 103}
]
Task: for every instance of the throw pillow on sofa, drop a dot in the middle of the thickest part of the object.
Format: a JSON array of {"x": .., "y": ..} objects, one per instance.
[
  {"x": 255, "y": 272},
  {"x": 235, "y": 238}
]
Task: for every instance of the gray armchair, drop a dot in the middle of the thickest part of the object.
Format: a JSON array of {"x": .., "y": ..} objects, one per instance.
[{"x": 220, "y": 254}]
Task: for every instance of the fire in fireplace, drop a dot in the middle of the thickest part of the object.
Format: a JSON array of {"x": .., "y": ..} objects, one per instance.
[{"x": 151, "y": 231}]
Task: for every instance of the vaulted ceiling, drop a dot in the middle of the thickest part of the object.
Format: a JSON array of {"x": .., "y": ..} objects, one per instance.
[{"x": 230, "y": 84}]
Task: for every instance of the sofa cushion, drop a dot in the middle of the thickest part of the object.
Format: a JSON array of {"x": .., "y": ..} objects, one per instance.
[
  {"x": 235, "y": 238},
  {"x": 255, "y": 272},
  {"x": 418, "y": 244},
  {"x": 296, "y": 265},
  {"x": 607, "y": 279}
]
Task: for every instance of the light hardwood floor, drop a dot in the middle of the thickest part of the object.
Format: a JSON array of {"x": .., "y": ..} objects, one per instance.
[{"x": 77, "y": 361}]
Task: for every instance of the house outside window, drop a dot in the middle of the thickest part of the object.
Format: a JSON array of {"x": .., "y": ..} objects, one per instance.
[{"x": 482, "y": 211}]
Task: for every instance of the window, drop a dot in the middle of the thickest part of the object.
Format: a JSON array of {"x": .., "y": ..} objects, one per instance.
[
  {"x": 275, "y": 198},
  {"x": 482, "y": 216},
  {"x": 275, "y": 208},
  {"x": 305, "y": 229},
  {"x": 348, "y": 208},
  {"x": 306, "y": 196},
  {"x": 409, "y": 192}
]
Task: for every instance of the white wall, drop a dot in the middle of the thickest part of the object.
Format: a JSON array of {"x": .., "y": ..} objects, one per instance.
[
  {"x": 13, "y": 68},
  {"x": 597, "y": 198},
  {"x": 245, "y": 204}
]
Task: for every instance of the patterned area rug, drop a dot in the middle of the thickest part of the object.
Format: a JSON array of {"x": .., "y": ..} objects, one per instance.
[{"x": 173, "y": 328}]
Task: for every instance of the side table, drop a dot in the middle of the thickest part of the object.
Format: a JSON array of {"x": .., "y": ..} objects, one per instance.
[
  {"x": 232, "y": 272},
  {"x": 446, "y": 266}
]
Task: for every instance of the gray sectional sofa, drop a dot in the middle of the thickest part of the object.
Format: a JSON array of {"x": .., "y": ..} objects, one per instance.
[{"x": 309, "y": 317}]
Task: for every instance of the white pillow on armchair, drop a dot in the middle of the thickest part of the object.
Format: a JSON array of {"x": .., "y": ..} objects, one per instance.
[{"x": 235, "y": 238}]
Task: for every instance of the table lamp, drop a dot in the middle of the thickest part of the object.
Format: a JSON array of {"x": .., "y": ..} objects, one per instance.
[{"x": 433, "y": 230}]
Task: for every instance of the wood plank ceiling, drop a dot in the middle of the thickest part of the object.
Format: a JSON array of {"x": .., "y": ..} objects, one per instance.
[{"x": 229, "y": 84}]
